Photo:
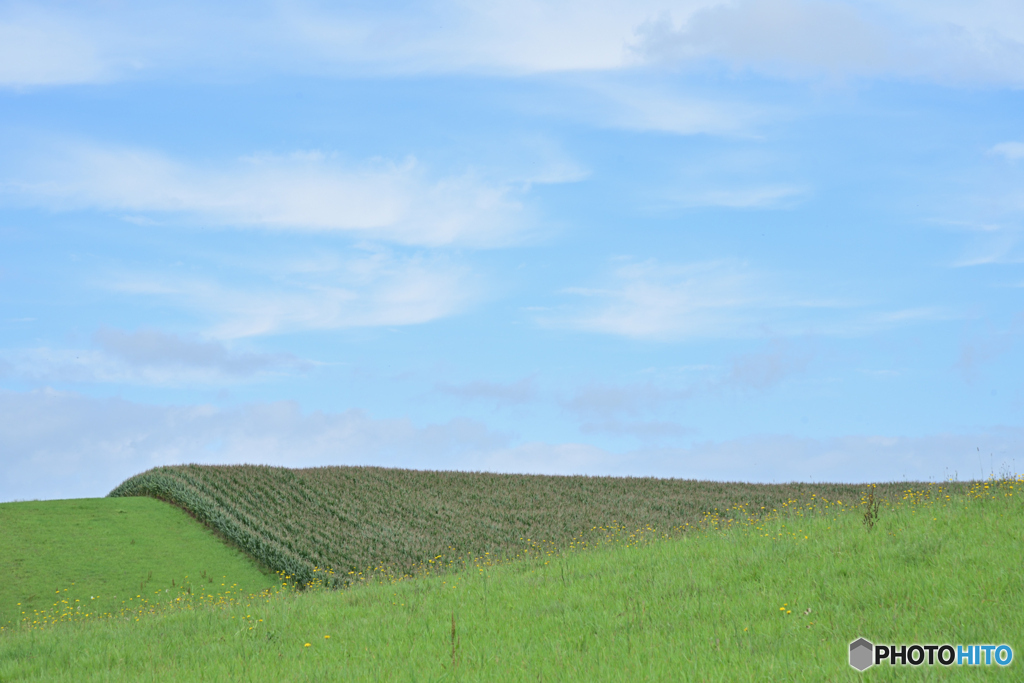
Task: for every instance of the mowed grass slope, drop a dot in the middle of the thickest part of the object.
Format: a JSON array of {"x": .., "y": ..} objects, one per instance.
[
  {"x": 776, "y": 599},
  {"x": 357, "y": 520},
  {"x": 68, "y": 558}
]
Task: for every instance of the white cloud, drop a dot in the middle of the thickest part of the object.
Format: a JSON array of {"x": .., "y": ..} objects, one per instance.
[
  {"x": 603, "y": 400},
  {"x": 601, "y": 405},
  {"x": 55, "y": 43},
  {"x": 146, "y": 357},
  {"x": 716, "y": 299},
  {"x": 89, "y": 366},
  {"x": 370, "y": 291},
  {"x": 994, "y": 246},
  {"x": 1010, "y": 150},
  {"x": 644, "y": 100},
  {"x": 984, "y": 346},
  {"x": 512, "y": 393},
  {"x": 41, "y": 48},
  {"x": 651, "y": 301},
  {"x": 781, "y": 458},
  {"x": 58, "y": 445},
  {"x": 766, "y": 369},
  {"x": 551, "y": 36},
  {"x": 989, "y": 213},
  {"x": 652, "y": 107},
  {"x": 95, "y": 41},
  {"x": 153, "y": 348},
  {"x": 804, "y": 38},
  {"x": 502, "y": 36},
  {"x": 850, "y": 459},
  {"x": 306, "y": 191},
  {"x": 545, "y": 458},
  {"x": 645, "y": 430},
  {"x": 759, "y": 197},
  {"x": 771, "y": 34},
  {"x": 520, "y": 37},
  {"x": 540, "y": 160}
]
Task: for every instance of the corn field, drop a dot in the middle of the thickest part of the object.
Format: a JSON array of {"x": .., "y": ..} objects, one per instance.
[{"x": 357, "y": 520}]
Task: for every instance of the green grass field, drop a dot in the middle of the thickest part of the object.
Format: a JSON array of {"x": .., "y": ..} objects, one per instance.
[
  {"x": 67, "y": 558},
  {"x": 776, "y": 599}
]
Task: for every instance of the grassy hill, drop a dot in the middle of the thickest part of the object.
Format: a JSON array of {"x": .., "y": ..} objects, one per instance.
[
  {"x": 363, "y": 519},
  {"x": 63, "y": 559},
  {"x": 777, "y": 599}
]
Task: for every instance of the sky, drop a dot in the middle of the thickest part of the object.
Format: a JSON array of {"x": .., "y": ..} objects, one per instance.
[{"x": 762, "y": 241}]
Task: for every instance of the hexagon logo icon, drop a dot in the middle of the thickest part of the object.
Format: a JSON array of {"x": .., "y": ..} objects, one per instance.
[{"x": 861, "y": 654}]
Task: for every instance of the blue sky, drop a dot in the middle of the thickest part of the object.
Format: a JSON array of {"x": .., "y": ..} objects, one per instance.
[{"x": 746, "y": 241}]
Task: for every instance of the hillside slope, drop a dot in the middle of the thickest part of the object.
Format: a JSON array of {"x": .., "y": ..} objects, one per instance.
[
  {"x": 775, "y": 601},
  {"x": 353, "y": 519},
  {"x": 102, "y": 555}
]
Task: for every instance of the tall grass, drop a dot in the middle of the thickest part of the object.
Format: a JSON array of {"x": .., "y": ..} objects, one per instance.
[{"x": 748, "y": 598}]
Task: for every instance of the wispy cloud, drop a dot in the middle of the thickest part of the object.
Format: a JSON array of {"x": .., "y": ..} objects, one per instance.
[
  {"x": 756, "y": 197},
  {"x": 648, "y": 409},
  {"x": 547, "y": 458},
  {"x": 501, "y": 394},
  {"x": 765, "y": 369},
  {"x": 850, "y": 459},
  {"x": 62, "y": 445},
  {"x": 648, "y": 300},
  {"x": 717, "y": 299},
  {"x": 791, "y": 36},
  {"x": 801, "y": 38},
  {"x": 994, "y": 246},
  {"x": 374, "y": 290},
  {"x": 644, "y": 430},
  {"x": 87, "y": 42},
  {"x": 155, "y": 348},
  {"x": 309, "y": 191},
  {"x": 1009, "y": 150},
  {"x": 44, "y": 48},
  {"x": 984, "y": 346},
  {"x": 987, "y": 209},
  {"x": 634, "y": 105},
  {"x": 604, "y": 400},
  {"x": 772, "y": 458},
  {"x": 526, "y": 36},
  {"x": 147, "y": 357}
]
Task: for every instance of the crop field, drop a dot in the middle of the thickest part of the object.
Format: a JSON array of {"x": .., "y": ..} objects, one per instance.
[
  {"x": 71, "y": 559},
  {"x": 748, "y": 597},
  {"x": 359, "y": 521}
]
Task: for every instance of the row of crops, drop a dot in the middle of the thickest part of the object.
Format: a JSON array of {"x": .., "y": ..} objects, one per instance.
[{"x": 355, "y": 518}]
